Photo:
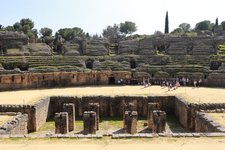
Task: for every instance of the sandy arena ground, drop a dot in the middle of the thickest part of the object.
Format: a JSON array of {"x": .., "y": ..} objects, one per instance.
[
  {"x": 197, "y": 95},
  {"x": 4, "y": 118},
  {"x": 108, "y": 144}
]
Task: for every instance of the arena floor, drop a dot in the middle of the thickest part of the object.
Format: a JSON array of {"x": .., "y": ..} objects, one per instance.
[{"x": 197, "y": 95}]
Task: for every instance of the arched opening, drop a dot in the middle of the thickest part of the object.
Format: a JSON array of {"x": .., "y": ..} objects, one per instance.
[
  {"x": 214, "y": 65},
  {"x": 89, "y": 64},
  {"x": 133, "y": 64},
  {"x": 111, "y": 80},
  {"x": 13, "y": 78}
]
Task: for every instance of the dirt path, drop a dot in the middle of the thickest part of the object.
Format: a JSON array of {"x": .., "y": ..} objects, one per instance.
[{"x": 197, "y": 95}]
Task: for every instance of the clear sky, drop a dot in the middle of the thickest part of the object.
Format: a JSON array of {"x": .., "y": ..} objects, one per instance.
[{"x": 95, "y": 15}]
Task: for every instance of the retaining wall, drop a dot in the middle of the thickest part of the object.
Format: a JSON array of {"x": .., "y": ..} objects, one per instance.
[
  {"x": 204, "y": 123},
  {"x": 17, "y": 125}
]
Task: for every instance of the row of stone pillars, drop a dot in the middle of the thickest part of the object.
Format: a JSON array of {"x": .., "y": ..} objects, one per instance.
[
  {"x": 156, "y": 118},
  {"x": 64, "y": 121}
]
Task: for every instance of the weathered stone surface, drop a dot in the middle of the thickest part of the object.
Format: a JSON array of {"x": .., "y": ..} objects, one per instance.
[
  {"x": 95, "y": 107},
  {"x": 61, "y": 123},
  {"x": 89, "y": 118},
  {"x": 16, "y": 126},
  {"x": 130, "y": 122},
  {"x": 159, "y": 119},
  {"x": 151, "y": 108},
  {"x": 12, "y": 39},
  {"x": 70, "y": 109}
]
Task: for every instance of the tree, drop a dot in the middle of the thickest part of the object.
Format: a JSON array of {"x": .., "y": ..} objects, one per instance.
[
  {"x": 216, "y": 24},
  {"x": 17, "y": 26},
  {"x": 27, "y": 22},
  {"x": 128, "y": 27},
  {"x": 45, "y": 32},
  {"x": 166, "y": 23},
  {"x": 9, "y": 28},
  {"x": 70, "y": 33},
  {"x": 223, "y": 25},
  {"x": 111, "y": 32},
  {"x": 185, "y": 27},
  {"x": 204, "y": 25},
  {"x": 177, "y": 31},
  {"x": 158, "y": 33}
]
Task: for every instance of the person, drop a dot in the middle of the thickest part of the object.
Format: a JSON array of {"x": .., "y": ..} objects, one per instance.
[
  {"x": 187, "y": 81},
  {"x": 195, "y": 83},
  {"x": 199, "y": 82},
  {"x": 177, "y": 85}
]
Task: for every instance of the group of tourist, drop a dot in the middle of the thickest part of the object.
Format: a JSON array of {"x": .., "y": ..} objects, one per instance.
[{"x": 173, "y": 83}]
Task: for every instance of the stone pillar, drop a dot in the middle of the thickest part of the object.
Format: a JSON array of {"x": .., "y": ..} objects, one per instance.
[
  {"x": 159, "y": 119},
  {"x": 130, "y": 122},
  {"x": 151, "y": 108},
  {"x": 89, "y": 118},
  {"x": 95, "y": 107},
  {"x": 128, "y": 107},
  {"x": 61, "y": 123},
  {"x": 69, "y": 108}
]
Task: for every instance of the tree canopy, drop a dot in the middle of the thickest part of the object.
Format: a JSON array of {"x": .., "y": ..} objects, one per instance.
[
  {"x": 128, "y": 27},
  {"x": 71, "y": 33},
  {"x": 45, "y": 32},
  {"x": 111, "y": 31},
  {"x": 204, "y": 25}
]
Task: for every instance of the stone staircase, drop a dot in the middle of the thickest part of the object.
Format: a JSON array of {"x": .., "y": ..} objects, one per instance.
[{"x": 113, "y": 49}]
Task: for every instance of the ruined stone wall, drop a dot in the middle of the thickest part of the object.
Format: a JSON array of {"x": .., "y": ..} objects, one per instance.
[
  {"x": 12, "y": 39},
  {"x": 41, "y": 111},
  {"x": 129, "y": 47},
  {"x": 37, "y": 80},
  {"x": 146, "y": 47},
  {"x": 95, "y": 47},
  {"x": 216, "y": 79},
  {"x": 181, "y": 111},
  {"x": 17, "y": 125},
  {"x": 37, "y": 113},
  {"x": 112, "y": 106},
  {"x": 204, "y": 123}
]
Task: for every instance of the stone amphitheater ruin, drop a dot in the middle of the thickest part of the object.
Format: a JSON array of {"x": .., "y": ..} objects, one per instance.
[{"x": 87, "y": 62}]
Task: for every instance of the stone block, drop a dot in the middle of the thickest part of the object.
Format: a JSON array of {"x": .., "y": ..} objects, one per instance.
[
  {"x": 159, "y": 119},
  {"x": 70, "y": 109},
  {"x": 151, "y": 108},
  {"x": 130, "y": 122},
  {"x": 95, "y": 107},
  {"x": 89, "y": 118},
  {"x": 61, "y": 123}
]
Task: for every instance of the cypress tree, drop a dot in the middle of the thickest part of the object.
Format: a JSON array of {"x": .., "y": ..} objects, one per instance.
[
  {"x": 216, "y": 24},
  {"x": 167, "y": 23}
]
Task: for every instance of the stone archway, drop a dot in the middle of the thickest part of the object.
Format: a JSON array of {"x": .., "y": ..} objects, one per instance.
[
  {"x": 111, "y": 80},
  {"x": 89, "y": 63},
  {"x": 133, "y": 64}
]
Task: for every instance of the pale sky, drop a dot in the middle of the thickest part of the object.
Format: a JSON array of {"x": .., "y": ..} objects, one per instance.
[{"x": 95, "y": 15}]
